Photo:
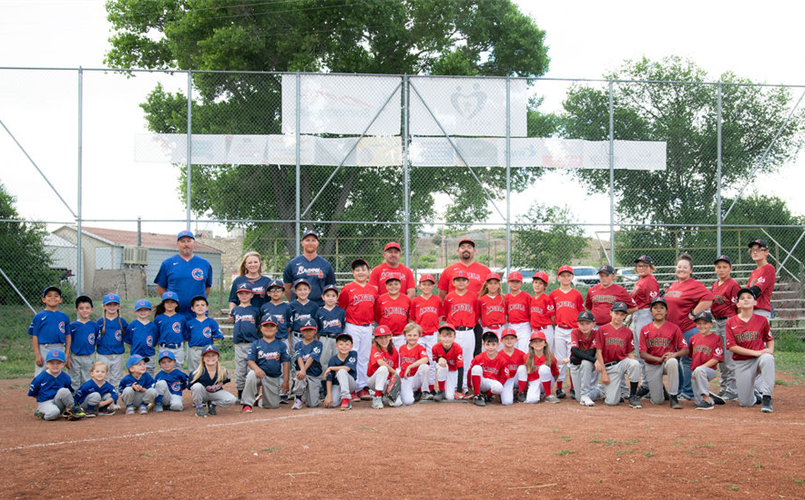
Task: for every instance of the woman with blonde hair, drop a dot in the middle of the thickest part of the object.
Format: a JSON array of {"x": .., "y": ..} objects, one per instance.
[{"x": 251, "y": 272}]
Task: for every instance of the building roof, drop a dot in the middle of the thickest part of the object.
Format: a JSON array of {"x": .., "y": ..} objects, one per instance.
[{"x": 149, "y": 240}]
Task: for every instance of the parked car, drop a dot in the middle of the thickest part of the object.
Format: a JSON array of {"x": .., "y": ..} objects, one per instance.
[
  {"x": 585, "y": 276},
  {"x": 627, "y": 275}
]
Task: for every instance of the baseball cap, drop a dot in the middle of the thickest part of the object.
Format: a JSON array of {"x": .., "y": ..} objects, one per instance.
[
  {"x": 185, "y": 233},
  {"x": 166, "y": 354},
  {"x": 359, "y": 262},
  {"x": 200, "y": 297},
  {"x": 466, "y": 240},
  {"x": 382, "y": 330},
  {"x": 644, "y": 258},
  {"x": 110, "y": 298},
  {"x": 134, "y": 359},
  {"x": 538, "y": 334},
  {"x": 492, "y": 276},
  {"x": 725, "y": 258},
  {"x": 489, "y": 336},
  {"x": 268, "y": 319},
  {"x": 703, "y": 316},
  {"x": 460, "y": 274},
  {"x": 310, "y": 232},
  {"x": 447, "y": 326},
  {"x": 170, "y": 296},
  {"x": 745, "y": 290},
  {"x": 515, "y": 276},
  {"x": 142, "y": 304},
  {"x": 309, "y": 324},
  {"x": 329, "y": 287},
  {"x": 659, "y": 300},
  {"x": 55, "y": 354},
  {"x": 46, "y": 290},
  {"x": 586, "y": 316},
  {"x": 540, "y": 275},
  {"x": 343, "y": 336},
  {"x": 210, "y": 348},
  {"x": 565, "y": 269},
  {"x": 606, "y": 269},
  {"x": 392, "y": 244},
  {"x": 300, "y": 281},
  {"x": 391, "y": 277},
  {"x": 84, "y": 298},
  {"x": 275, "y": 284},
  {"x": 507, "y": 332},
  {"x": 619, "y": 306},
  {"x": 427, "y": 277},
  {"x": 245, "y": 287},
  {"x": 761, "y": 243}
]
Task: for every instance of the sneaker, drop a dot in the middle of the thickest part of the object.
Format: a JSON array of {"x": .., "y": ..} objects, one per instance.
[
  {"x": 767, "y": 405},
  {"x": 729, "y": 396},
  {"x": 704, "y": 405},
  {"x": 211, "y": 409},
  {"x": 717, "y": 399},
  {"x": 634, "y": 402},
  {"x": 572, "y": 393},
  {"x": 130, "y": 410},
  {"x": 674, "y": 402},
  {"x": 200, "y": 412},
  {"x": 560, "y": 394},
  {"x": 297, "y": 404},
  {"x": 586, "y": 401},
  {"x": 245, "y": 409},
  {"x": 758, "y": 398},
  {"x": 158, "y": 407},
  {"x": 284, "y": 399},
  {"x": 460, "y": 396},
  {"x": 521, "y": 397},
  {"x": 106, "y": 410},
  {"x": 427, "y": 396},
  {"x": 354, "y": 397},
  {"x": 552, "y": 399},
  {"x": 439, "y": 396},
  {"x": 143, "y": 409},
  {"x": 687, "y": 397},
  {"x": 364, "y": 395},
  {"x": 489, "y": 398},
  {"x": 417, "y": 396},
  {"x": 377, "y": 402},
  {"x": 643, "y": 392},
  {"x": 625, "y": 396},
  {"x": 480, "y": 400},
  {"x": 346, "y": 404}
]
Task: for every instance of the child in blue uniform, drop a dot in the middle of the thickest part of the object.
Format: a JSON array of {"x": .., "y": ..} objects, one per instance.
[
  {"x": 83, "y": 334},
  {"x": 207, "y": 384},
  {"x": 201, "y": 332},
  {"x": 53, "y": 390},
  {"x": 170, "y": 382},
  {"x": 246, "y": 316},
  {"x": 302, "y": 309},
  {"x": 171, "y": 325},
  {"x": 97, "y": 396},
  {"x": 268, "y": 359},
  {"x": 279, "y": 310},
  {"x": 109, "y": 344},
  {"x": 341, "y": 374},
  {"x": 331, "y": 319},
  {"x": 137, "y": 388},
  {"x": 48, "y": 328},
  {"x": 306, "y": 358},
  {"x": 142, "y": 334}
]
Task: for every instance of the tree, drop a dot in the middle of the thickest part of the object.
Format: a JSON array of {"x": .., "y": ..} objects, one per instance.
[
  {"x": 489, "y": 37},
  {"x": 544, "y": 238}
]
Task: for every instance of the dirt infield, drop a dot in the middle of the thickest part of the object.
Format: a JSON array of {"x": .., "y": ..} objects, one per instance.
[{"x": 427, "y": 450}]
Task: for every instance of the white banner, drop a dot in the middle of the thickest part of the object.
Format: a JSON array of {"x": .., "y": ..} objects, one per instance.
[
  {"x": 467, "y": 106},
  {"x": 342, "y": 104}
]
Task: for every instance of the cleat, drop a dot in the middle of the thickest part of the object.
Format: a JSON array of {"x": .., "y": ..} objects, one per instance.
[
  {"x": 674, "y": 402},
  {"x": 158, "y": 408},
  {"x": 211, "y": 409},
  {"x": 284, "y": 399},
  {"x": 572, "y": 393},
  {"x": 106, "y": 410},
  {"x": 717, "y": 399},
  {"x": 297, "y": 404},
  {"x": 143, "y": 409},
  {"x": 586, "y": 401},
  {"x": 552, "y": 399},
  {"x": 521, "y": 397},
  {"x": 439, "y": 396},
  {"x": 687, "y": 397},
  {"x": 634, "y": 402},
  {"x": 729, "y": 396},
  {"x": 377, "y": 402},
  {"x": 480, "y": 400},
  {"x": 130, "y": 410},
  {"x": 560, "y": 394},
  {"x": 200, "y": 412},
  {"x": 38, "y": 414},
  {"x": 767, "y": 405},
  {"x": 704, "y": 405},
  {"x": 364, "y": 395},
  {"x": 426, "y": 396},
  {"x": 246, "y": 409},
  {"x": 79, "y": 412},
  {"x": 354, "y": 397},
  {"x": 643, "y": 392},
  {"x": 346, "y": 404},
  {"x": 758, "y": 398},
  {"x": 460, "y": 396}
]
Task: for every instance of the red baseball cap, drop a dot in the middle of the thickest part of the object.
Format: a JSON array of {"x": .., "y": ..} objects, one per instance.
[
  {"x": 466, "y": 240},
  {"x": 538, "y": 334},
  {"x": 447, "y": 326},
  {"x": 565, "y": 269},
  {"x": 460, "y": 274},
  {"x": 515, "y": 276},
  {"x": 493, "y": 276},
  {"x": 540, "y": 275},
  {"x": 427, "y": 277},
  {"x": 382, "y": 330},
  {"x": 508, "y": 331},
  {"x": 392, "y": 244}
]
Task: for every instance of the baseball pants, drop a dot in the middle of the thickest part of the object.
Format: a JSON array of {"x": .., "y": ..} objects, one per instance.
[
  {"x": 52, "y": 409},
  {"x": 727, "y": 367},
  {"x": 220, "y": 398},
  {"x": 177, "y": 351},
  {"x": 307, "y": 390},
  {"x": 398, "y": 341},
  {"x": 625, "y": 367},
  {"x": 343, "y": 387},
  {"x": 701, "y": 382},
  {"x": 523, "y": 335},
  {"x": 362, "y": 344},
  {"x": 535, "y": 392},
  {"x": 241, "y": 367},
  {"x": 328, "y": 350},
  {"x": 428, "y": 341},
  {"x": 43, "y": 351},
  {"x": 378, "y": 382},
  {"x": 169, "y": 400},
  {"x": 271, "y": 390},
  {"x": 653, "y": 375},
  {"x": 684, "y": 367},
  {"x": 486, "y": 384},
  {"x": 465, "y": 337},
  {"x": 115, "y": 364},
  {"x": 754, "y": 374},
  {"x": 193, "y": 358},
  {"x": 762, "y": 312},
  {"x": 450, "y": 379},
  {"x": 79, "y": 372},
  {"x": 507, "y": 396},
  {"x": 561, "y": 350},
  {"x": 130, "y": 397},
  {"x": 585, "y": 380},
  {"x": 640, "y": 318},
  {"x": 417, "y": 381},
  {"x": 92, "y": 401}
]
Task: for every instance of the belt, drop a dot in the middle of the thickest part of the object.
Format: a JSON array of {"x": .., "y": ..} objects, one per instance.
[
  {"x": 463, "y": 329},
  {"x": 367, "y": 324},
  {"x": 171, "y": 346},
  {"x": 493, "y": 326},
  {"x": 329, "y": 335},
  {"x": 566, "y": 327},
  {"x": 720, "y": 318},
  {"x": 613, "y": 363}
]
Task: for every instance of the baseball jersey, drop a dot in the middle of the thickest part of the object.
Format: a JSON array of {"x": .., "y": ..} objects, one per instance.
[
  {"x": 518, "y": 308},
  {"x": 567, "y": 306},
  {"x": 703, "y": 348},
  {"x": 658, "y": 341},
  {"x": 615, "y": 343},
  {"x": 426, "y": 313},
  {"x": 171, "y": 328},
  {"x": 202, "y": 333},
  {"x": 358, "y": 302},
  {"x": 476, "y": 273},
  {"x": 282, "y": 315},
  {"x": 541, "y": 310},
  {"x": 409, "y": 356},
  {"x": 577, "y": 339},
  {"x": 331, "y": 322},
  {"x": 301, "y": 313},
  {"x": 247, "y": 324},
  {"x": 146, "y": 381},
  {"x": 401, "y": 272},
  {"x": 492, "y": 367},
  {"x": 461, "y": 310},
  {"x": 176, "y": 380},
  {"x": 317, "y": 272},
  {"x": 45, "y": 386},
  {"x": 763, "y": 278},
  {"x": 258, "y": 287},
  {"x": 141, "y": 338},
  {"x": 682, "y": 297},
  {"x": 492, "y": 311},
  {"x": 393, "y": 359},
  {"x": 454, "y": 356},
  {"x": 392, "y": 312},
  {"x": 50, "y": 327},
  {"x": 645, "y": 290},
  {"x": 351, "y": 362},
  {"x": 269, "y": 356},
  {"x": 83, "y": 337},
  {"x": 599, "y": 301},
  {"x": 511, "y": 362},
  {"x": 752, "y": 334},
  {"x": 188, "y": 278},
  {"x": 725, "y": 298},
  {"x": 110, "y": 335},
  {"x": 90, "y": 387},
  {"x": 539, "y": 361},
  {"x": 209, "y": 381},
  {"x": 308, "y": 351}
]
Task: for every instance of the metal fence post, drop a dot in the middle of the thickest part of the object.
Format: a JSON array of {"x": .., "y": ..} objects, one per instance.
[
  {"x": 189, "y": 140},
  {"x": 508, "y": 179},
  {"x": 79, "y": 268},
  {"x": 718, "y": 173},
  {"x": 406, "y": 177},
  {"x": 298, "y": 161},
  {"x": 611, "y": 177}
]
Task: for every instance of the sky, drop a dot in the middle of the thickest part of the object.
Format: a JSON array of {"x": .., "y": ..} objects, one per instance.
[{"x": 586, "y": 39}]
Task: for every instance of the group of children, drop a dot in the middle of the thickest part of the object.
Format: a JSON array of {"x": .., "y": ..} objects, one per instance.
[{"x": 395, "y": 351}]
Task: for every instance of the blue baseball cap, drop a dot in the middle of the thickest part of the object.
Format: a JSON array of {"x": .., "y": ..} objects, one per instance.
[
  {"x": 586, "y": 316},
  {"x": 142, "y": 304},
  {"x": 329, "y": 287},
  {"x": 170, "y": 296},
  {"x": 134, "y": 359},
  {"x": 275, "y": 284},
  {"x": 110, "y": 298},
  {"x": 46, "y": 290},
  {"x": 210, "y": 348},
  {"x": 299, "y": 281},
  {"x": 703, "y": 316},
  {"x": 619, "y": 306},
  {"x": 185, "y": 233},
  {"x": 268, "y": 319},
  {"x": 167, "y": 354},
  {"x": 310, "y": 232},
  {"x": 309, "y": 324},
  {"x": 659, "y": 300},
  {"x": 245, "y": 287},
  {"x": 55, "y": 355}
]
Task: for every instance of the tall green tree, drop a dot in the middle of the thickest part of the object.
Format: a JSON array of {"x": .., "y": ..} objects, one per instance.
[{"x": 545, "y": 238}]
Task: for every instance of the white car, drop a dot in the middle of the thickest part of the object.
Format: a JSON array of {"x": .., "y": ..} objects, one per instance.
[
  {"x": 585, "y": 276},
  {"x": 627, "y": 275}
]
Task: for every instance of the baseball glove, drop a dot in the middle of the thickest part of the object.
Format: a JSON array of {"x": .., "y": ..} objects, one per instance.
[
  {"x": 394, "y": 388},
  {"x": 70, "y": 415}
]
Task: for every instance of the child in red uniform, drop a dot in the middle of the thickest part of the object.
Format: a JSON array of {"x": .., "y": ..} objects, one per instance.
[
  {"x": 413, "y": 367},
  {"x": 518, "y": 305},
  {"x": 706, "y": 352},
  {"x": 383, "y": 363},
  {"x": 600, "y": 297},
  {"x": 426, "y": 311},
  {"x": 449, "y": 360},
  {"x": 357, "y": 299},
  {"x": 762, "y": 279},
  {"x": 568, "y": 303},
  {"x": 725, "y": 298},
  {"x": 514, "y": 368},
  {"x": 644, "y": 291},
  {"x": 542, "y": 310},
  {"x": 614, "y": 344},
  {"x": 460, "y": 309},
  {"x": 391, "y": 309},
  {"x": 661, "y": 345},
  {"x": 582, "y": 360},
  {"x": 541, "y": 369},
  {"x": 491, "y": 306},
  {"x": 486, "y": 370}
]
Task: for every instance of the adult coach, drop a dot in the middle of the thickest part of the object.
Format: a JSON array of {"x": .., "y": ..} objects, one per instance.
[
  {"x": 186, "y": 274},
  {"x": 391, "y": 267},
  {"x": 310, "y": 267},
  {"x": 250, "y": 272}
]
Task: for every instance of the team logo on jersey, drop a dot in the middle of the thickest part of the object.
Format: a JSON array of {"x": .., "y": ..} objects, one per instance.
[
  {"x": 118, "y": 335},
  {"x": 176, "y": 386},
  {"x": 207, "y": 332},
  {"x": 61, "y": 326},
  {"x": 149, "y": 341},
  {"x": 177, "y": 328},
  {"x": 313, "y": 271},
  {"x": 197, "y": 274},
  {"x": 719, "y": 352},
  {"x": 352, "y": 360},
  {"x": 653, "y": 294},
  {"x": 91, "y": 339}
]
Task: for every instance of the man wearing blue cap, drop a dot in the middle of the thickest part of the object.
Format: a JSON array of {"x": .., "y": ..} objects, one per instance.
[
  {"x": 186, "y": 274},
  {"x": 315, "y": 270}
]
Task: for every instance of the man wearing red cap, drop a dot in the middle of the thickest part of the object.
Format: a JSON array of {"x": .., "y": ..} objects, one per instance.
[{"x": 391, "y": 267}]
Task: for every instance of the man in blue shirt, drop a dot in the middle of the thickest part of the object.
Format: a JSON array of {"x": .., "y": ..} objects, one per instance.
[
  {"x": 184, "y": 273},
  {"x": 310, "y": 267}
]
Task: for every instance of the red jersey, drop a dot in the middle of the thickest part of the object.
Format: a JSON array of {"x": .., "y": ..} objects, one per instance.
[
  {"x": 763, "y": 278},
  {"x": 401, "y": 272},
  {"x": 577, "y": 339},
  {"x": 658, "y": 341},
  {"x": 518, "y": 308},
  {"x": 567, "y": 307},
  {"x": 703, "y": 348},
  {"x": 511, "y": 362},
  {"x": 682, "y": 298},
  {"x": 492, "y": 368},
  {"x": 476, "y": 273},
  {"x": 599, "y": 301},
  {"x": 410, "y": 356},
  {"x": 539, "y": 361},
  {"x": 358, "y": 302},
  {"x": 725, "y": 298},
  {"x": 376, "y": 354},
  {"x": 492, "y": 311},
  {"x": 541, "y": 310},
  {"x": 645, "y": 290},
  {"x": 426, "y": 313},
  {"x": 454, "y": 356},
  {"x": 461, "y": 310},
  {"x": 392, "y": 312},
  {"x": 615, "y": 344},
  {"x": 752, "y": 334}
]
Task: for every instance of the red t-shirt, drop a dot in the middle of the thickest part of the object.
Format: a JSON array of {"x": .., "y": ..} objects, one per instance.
[
  {"x": 599, "y": 301},
  {"x": 426, "y": 313},
  {"x": 567, "y": 307},
  {"x": 752, "y": 334},
  {"x": 492, "y": 368},
  {"x": 539, "y": 361},
  {"x": 358, "y": 302},
  {"x": 401, "y": 272},
  {"x": 645, "y": 290},
  {"x": 410, "y": 356},
  {"x": 518, "y": 308},
  {"x": 725, "y": 298},
  {"x": 577, "y": 339},
  {"x": 658, "y": 341},
  {"x": 763, "y": 278},
  {"x": 492, "y": 311},
  {"x": 461, "y": 310},
  {"x": 376, "y": 354},
  {"x": 541, "y": 311},
  {"x": 512, "y": 361},
  {"x": 454, "y": 356},
  {"x": 615, "y": 344},
  {"x": 392, "y": 312},
  {"x": 476, "y": 273},
  {"x": 703, "y": 348},
  {"x": 682, "y": 298}
]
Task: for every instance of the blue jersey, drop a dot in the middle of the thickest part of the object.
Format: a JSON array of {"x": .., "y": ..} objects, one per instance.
[
  {"x": 308, "y": 351},
  {"x": 188, "y": 278},
  {"x": 258, "y": 287},
  {"x": 141, "y": 338},
  {"x": 50, "y": 327},
  {"x": 247, "y": 321},
  {"x": 176, "y": 380},
  {"x": 300, "y": 313},
  {"x": 269, "y": 356},
  {"x": 90, "y": 386},
  {"x": 318, "y": 272},
  {"x": 45, "y": 386},
  {"x": 331, "y": 323},
  {"x": 282, "y": 315},
  {"x": 210, "y": 382},
  {"x": 171, "y": 330},
  {"x": 110, "y": 337},
  {"x": 146, "y": 381},
  {"x": 351, "y": 362},
  {"x": 83, "y": 337},
  {"x": 202, "y": 333}
]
